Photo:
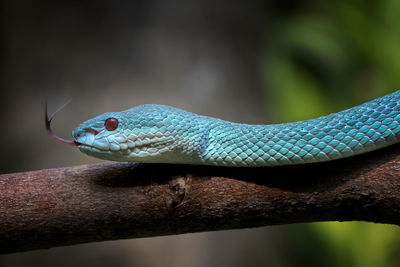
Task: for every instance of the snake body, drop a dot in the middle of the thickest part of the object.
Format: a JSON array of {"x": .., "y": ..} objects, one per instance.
[{"x": 158, "y": 133}]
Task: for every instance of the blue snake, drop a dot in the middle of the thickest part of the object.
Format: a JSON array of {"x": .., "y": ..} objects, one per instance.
[{"x": 163, "y": 134}]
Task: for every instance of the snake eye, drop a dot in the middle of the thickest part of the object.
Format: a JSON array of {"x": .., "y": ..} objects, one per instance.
[{"x": 111, "y": 124}]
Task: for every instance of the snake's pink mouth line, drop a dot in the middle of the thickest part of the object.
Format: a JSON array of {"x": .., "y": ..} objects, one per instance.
[{"x": 82, "y": 144}]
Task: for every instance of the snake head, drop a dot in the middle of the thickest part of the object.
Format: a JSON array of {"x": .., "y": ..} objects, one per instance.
[
  {"x": 147, "y": 133},
  {"x": 96, "y": 133}
]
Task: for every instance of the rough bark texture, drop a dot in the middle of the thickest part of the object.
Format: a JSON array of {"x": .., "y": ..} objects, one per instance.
[{"x": 107, "y": 201}]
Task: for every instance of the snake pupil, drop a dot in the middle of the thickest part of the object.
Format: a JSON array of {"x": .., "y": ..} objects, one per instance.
[{"x": 111, "y": 124}]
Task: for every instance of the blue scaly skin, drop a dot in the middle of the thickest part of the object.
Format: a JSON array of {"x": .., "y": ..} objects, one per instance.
[{"x": 157, "y": 133}]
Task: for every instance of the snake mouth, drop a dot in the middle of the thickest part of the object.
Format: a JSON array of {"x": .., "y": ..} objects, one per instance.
[{"x": 83, "y": 145}]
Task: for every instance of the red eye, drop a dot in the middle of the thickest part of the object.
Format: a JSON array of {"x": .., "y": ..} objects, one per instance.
[{"x": 111, "y": 124}]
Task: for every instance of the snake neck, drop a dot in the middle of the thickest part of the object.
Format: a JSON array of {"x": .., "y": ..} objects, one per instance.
[{"x": 363, "y": 128}]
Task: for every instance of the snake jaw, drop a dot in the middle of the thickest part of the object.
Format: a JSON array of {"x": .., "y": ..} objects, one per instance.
[
  {"x": 82, "y": 145},
  {"x": 86, "y": 139}
]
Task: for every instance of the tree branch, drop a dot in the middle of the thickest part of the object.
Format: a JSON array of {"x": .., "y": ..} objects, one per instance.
[{"x": 108, "y": 201}]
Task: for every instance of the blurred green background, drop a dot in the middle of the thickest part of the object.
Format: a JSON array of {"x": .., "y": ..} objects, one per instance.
[
  {"x": 326, "y": 56},
  {"x": 246, "y": 61}
]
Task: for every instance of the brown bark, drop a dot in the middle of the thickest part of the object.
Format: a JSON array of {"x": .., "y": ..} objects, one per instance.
[{"x": 108, "y": 201}]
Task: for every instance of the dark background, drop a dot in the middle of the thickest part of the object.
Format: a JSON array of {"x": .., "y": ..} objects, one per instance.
[{"x": 244, "y": 61}]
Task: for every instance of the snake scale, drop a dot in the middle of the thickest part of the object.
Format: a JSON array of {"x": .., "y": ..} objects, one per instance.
[{"x": 158, "y": 133}]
